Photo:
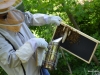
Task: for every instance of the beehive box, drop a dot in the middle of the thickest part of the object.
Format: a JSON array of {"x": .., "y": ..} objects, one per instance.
[{"x": 76, "y": 42}]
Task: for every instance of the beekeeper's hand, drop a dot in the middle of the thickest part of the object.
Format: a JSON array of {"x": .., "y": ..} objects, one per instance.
[
  {"x": 38, "y": 42},
  {"x": 27, "y": 50},
  {"x": 56, "y": 20}
]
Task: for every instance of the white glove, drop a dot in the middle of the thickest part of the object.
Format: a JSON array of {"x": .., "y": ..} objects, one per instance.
[
  {"x": 54, "y": 20},
  {"x": 40, "y": 52},
  {"x": 26, "y": 51},
  {"x": 38, "y": 42}
]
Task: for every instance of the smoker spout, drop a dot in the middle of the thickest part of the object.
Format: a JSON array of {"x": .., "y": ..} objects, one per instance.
[{"x": 57, "y": 40}]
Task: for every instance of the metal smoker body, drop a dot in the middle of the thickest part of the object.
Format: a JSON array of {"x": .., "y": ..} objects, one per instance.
[{"x": 52, "y": 55}]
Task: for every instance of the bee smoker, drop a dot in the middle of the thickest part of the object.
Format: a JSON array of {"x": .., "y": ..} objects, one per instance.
[{"x": 52, "y": 55}]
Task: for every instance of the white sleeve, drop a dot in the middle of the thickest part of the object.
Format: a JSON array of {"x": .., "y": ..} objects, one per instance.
[
  {"x": 36, "y": 19},
  {"x": 24, "y": 52}
]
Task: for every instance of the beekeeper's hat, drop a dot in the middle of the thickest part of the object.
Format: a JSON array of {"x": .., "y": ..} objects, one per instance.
[{"x": 6, "y": 5}]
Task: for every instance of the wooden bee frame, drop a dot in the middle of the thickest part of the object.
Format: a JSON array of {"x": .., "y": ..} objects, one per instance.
[{"x": 76, "y": 42}]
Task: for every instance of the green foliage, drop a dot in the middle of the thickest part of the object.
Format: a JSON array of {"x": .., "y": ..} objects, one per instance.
[
  {"x": 2, "y": 72},
  {"x": 87, "y": 17},
  {"x": 45, "y": 31}
]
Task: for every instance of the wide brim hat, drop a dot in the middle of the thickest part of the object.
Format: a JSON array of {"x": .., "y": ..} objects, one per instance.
[{"x": 6, "y": 4}]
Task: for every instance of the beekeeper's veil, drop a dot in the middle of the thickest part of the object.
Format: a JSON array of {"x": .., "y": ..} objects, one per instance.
[{"x": 10, "y": 18}]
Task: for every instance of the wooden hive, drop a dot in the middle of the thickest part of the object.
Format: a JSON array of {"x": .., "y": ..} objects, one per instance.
[{"x": 76, "y": 42}]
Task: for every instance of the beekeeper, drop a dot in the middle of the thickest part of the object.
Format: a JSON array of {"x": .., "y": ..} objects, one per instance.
[{"x": 17, "y": 44}]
